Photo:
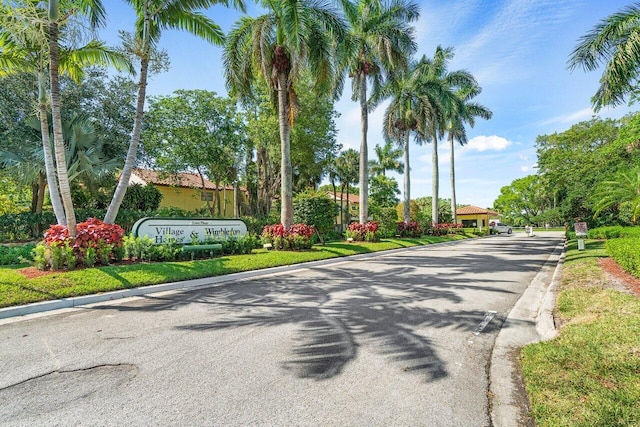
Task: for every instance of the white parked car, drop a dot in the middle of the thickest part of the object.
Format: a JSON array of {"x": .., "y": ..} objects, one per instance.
[{"x": 500, "y": 227}]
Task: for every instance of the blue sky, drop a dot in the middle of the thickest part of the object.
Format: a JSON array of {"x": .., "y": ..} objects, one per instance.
[{"x": 517, "y": 50}]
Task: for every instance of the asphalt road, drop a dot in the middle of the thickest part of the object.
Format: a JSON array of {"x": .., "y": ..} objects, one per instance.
[{"x": 400, "y": 339}]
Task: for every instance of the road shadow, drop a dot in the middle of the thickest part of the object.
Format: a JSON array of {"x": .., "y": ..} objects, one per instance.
[{"x": 337, "y": 310}]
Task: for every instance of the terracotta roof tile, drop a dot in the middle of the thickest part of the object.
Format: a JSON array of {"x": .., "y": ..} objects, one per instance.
[
  {"x": 353, "y": 198},
  {"x": 182, "y": 179},
  {"x": 474, "y": 210}
]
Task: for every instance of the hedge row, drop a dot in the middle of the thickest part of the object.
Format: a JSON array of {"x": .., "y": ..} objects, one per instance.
[
  {"x": 611, "y": 232},
  {"x": 626, "y": 252},
  {"x": 21, "y": 254}
]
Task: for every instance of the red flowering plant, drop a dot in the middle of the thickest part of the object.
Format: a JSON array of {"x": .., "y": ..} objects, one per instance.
[
  {"x": 367, "y": 232},
  {"x": 412, "y": 229},
  {"x": 298, "y": 236},
  {"x": 450, "y": 227},
  {"x": 446, "y": 228},
  {"x": 95, "y": 242}
]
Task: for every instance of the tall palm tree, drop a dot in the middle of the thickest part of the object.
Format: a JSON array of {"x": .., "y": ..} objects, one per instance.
[
  {"x": 443, "y": 105},
  {"x": 456, "y": 129},
  {"x": 402, "y": 116},
  {"x": 24, "y": 45},
  {"x": 614, "y": 41},
  {"x": 94, "y": 10},
  {"x": 347, "y": 165},
  {"x": 388, "y": 159},
  {"x": 276, "y": 47},
  {"x": 380, "y": 39},
  {"x": 153, "y": 16}
]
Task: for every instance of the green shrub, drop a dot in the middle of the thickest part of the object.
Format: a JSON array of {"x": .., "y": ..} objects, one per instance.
[
  {"x": 610, "y": 232},
  {"x": 315, "y": 209},
  {"x": 10, "y": 255},
  {"x": 141, "y": 198},
  {"x": 626, "y": 252},
  {"x": 388, "y": 222}
]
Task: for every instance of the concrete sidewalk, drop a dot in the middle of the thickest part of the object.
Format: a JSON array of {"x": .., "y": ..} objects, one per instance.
[{"x": 530, "y": 321}]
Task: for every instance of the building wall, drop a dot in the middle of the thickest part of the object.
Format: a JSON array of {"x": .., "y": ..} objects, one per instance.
[
  {"x": 191, "y": 199},
  {"x": 481, "y": 220}
]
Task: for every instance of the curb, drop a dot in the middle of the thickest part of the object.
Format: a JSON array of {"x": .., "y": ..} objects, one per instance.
[{"x": 529, "y": 321}]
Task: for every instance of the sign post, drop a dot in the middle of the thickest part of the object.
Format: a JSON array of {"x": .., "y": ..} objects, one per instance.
[{"x": 581, "y": 232}]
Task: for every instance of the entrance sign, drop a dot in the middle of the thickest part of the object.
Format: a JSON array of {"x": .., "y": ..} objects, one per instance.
[
  {"x": 188, "y": 230},
  {"x": 581, "y": 231},
  {"x": 580, "y": 228}
]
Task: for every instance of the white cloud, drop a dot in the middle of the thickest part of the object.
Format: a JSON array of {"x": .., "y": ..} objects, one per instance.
[
  {"x": 487, "y": 143},
  {"x": 524, "y": 168},
  {"x": 576, "y": 116}
]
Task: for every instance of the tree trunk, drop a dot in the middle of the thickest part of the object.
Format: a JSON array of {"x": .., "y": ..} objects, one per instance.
[
  {"x": 204, "y": 191},
  {"x": 216, "y": 197},
  {"x": 342, "y": 208},
  {"x": 58, "y": 141},
  {"x": 236, "y": 191},
  {"x": 333, "y": 184},
  {"x": 132, "y": 152},
  {"x": 224, "y": 200},
  {"x": 364, "y": 150},
  {"x": 453, "y": 180},
  {"x": 49, "y": 167},
  {"x": 407, "y": 180},
  {"x": 348, "y": 207},
  {"x": 435, "y": 183},
  {"x": 286, "y": 184},
  {"x": 34, "y": 196},
  {"x": 42, "y": 184}
]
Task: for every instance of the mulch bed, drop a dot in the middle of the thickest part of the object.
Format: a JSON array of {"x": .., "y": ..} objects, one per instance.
[
  {"x": 610, "y": 266},
  {"x": 32, "y": 272}
]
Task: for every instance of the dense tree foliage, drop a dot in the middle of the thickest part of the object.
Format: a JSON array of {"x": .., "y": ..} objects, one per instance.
[
  {"x": 196, "y": 131},
  {"x": 577, "y": 172}
]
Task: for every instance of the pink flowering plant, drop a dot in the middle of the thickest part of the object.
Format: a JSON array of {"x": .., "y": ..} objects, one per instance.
[
  {"x": 367, "y": 232},
  {"x": 446, "y": 228},
  {"x": 296, "y": 237},
  {"x": 95, "y": 243},
  {"x": 412, "y": 229}
]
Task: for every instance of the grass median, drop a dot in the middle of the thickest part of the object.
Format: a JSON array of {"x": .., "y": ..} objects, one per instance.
[
  {"x": 16, "y": 289},
  {"x": 589, "y": 375}
]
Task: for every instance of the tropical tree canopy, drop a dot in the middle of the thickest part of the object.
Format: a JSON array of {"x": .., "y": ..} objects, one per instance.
[
  {"x": 615, "y": 43},
  {"x": 154, "y": 16},
  {"x": 275, "y": 49},
  {"x": 380, "y": 40}
]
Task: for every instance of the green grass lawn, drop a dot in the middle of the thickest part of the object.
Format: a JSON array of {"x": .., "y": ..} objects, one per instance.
[
  {"x": 589, "y": 375},
  {"x": 16, "y": 289}
]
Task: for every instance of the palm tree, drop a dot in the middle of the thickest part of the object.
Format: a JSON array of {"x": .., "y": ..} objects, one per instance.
[
  {"x": 615, "y": 41},
  {"x": 277, "y": 47},
  {"x": 402, "y": 116},
  {"x": 456, "y": 129},
  {"x": 153, "y": 16},
  {"x": 24, "y": 46},
  {"x": 94, "y": 10},
  {"x": 347, "y": 165},
  {"x": 443, "y": 105},
  {"x": 422, "y": 96},
  {"x": 380, "y": 39},
  {"x": 388, "y": 159},
  {"x": 623, "y": 190}
]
